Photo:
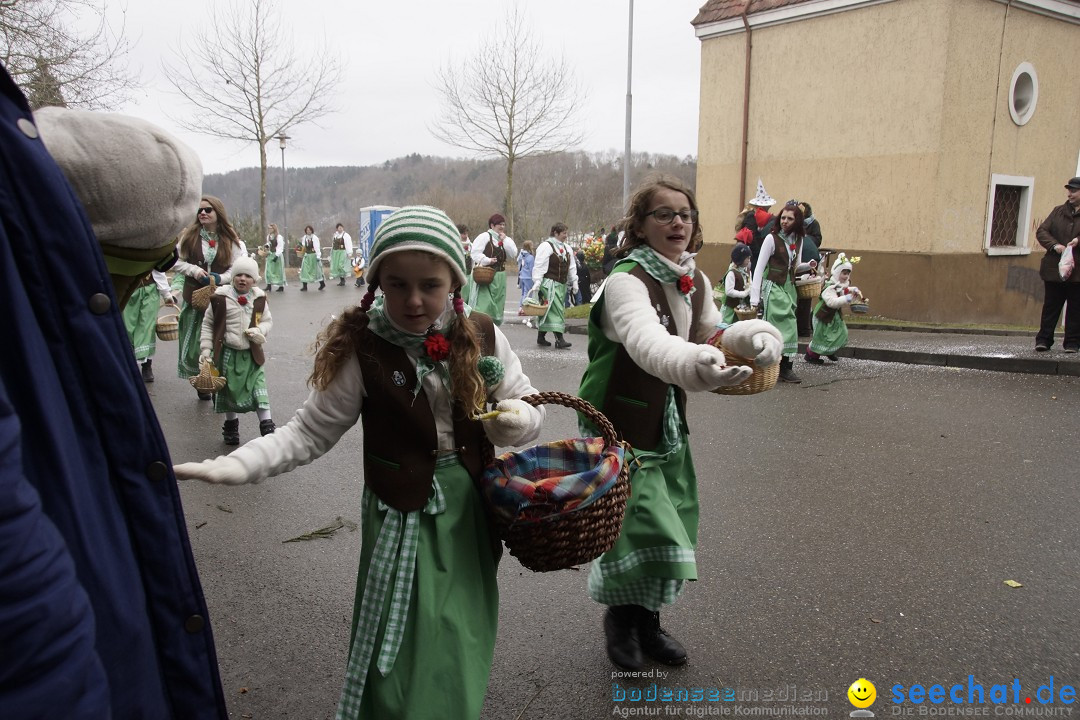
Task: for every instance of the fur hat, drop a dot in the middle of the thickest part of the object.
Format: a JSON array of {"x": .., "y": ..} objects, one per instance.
[
  {"x": 246, "y": 265},
  {"x": 419, "y": 227},
  {"x": 496, "y": 219},
  {"x": 139, "y": 205},
  {"x": 740, "y": 253},
  {"x": 840, "y": 264},
  {"x": 763, "y": 199}
]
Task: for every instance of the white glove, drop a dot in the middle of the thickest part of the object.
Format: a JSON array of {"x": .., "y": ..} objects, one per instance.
[
  {"x": 222, "y": 470},
  {"x": 575, "y": 289},
  {"x": 854, "y": 291},
  {"x": 255, "y": 336},
  {"x": 205, "y": 354},
  {"x": 755, "y": 339},
  {"x": 713, "y": 374},
  {"x": 513, "y": 421}
]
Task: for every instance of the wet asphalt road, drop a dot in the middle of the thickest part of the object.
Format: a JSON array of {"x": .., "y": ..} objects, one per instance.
[{"x": 861, "y": 524}]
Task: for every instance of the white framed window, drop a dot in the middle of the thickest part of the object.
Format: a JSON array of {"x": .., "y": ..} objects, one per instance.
[
  {"x": 1023, "y": 93},
  {"x": 1008, "y": 219}
]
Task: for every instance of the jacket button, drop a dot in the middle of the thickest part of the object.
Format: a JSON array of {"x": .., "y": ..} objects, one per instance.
[
  {"x": 157, "y": 471},
  {"x": 194, "y": 624},
  {"x": 100, "y": 303},
  {"x": 28, "y": 128}
]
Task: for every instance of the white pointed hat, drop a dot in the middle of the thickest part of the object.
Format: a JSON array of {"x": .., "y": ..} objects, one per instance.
[{"x": 762, "y": 199}]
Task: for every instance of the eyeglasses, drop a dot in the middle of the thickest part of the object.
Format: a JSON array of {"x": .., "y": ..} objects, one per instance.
[
  {"x": 664, "y": 216},
  {"x": 205, "y": 211}
]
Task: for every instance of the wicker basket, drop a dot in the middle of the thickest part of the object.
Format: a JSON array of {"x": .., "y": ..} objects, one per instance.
[
  {"x": 168, "y": 325},
  {"x": 560, "y": 539},
  {"x": 860, "y": 308},
  {"x": 263, "y": 252},
  {"x": 746, "y": 313},
  {"x": 808, "y": 289},
  {"x": 299, "y": 252},
  {"x": 483, "y": 274},
  {"x": 208, "y": 380},
  {"x": 200, "y": 298},
  {"x": 764, "y": 378}
]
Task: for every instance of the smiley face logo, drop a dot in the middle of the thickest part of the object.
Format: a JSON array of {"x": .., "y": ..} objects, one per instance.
[{"x": 862, "y": 693}]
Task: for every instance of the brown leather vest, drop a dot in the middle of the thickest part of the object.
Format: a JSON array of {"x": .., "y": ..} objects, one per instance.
[
  {"x": 498, "y": 253},
  {"x": 740, "y": 284},
  {"x": 782, "y": 268},
  {"x": 635, "y": 400},
  {"x": 825, "y": 313},
  {"x": 400, "y": 437},
  {"x": 196, "y": 258},
  {"x": 558, "y": 267},
  {"x": 218, "y": 303},
  {"x": 339, "y": 243}
]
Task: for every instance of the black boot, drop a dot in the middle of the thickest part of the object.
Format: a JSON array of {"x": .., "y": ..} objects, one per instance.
[
  {"x": 359, "y": 282},
  {"x": 205, "y": 395},
  {"x": 341, "y": 282},
  {"x": 322, "y": 284},
  {"x": 541, "y": 339},
  {"x": 230, "y": 432},
  {"x": 281, "y": 288},
  {"x": 655, "y": 642},
  {"x": 267, "y": 288},
  {"x": 266, "y": 427},
  {"x": 833, "y": 358},
  {"x": 623, "y": 647},
  {"x": 303, "y": 287},
  {"x": 147, "y": 371},
  {"x": 786, "y": 373},
  {"x": 813, "y": 358},
  {"x": 560, "y": 342}
]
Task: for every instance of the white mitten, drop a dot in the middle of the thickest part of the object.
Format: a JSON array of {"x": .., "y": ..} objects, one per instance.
[
  {"x": 854, "y": 291},
  {"x": 755, "y": 339},
  {"x": 255, "y": 335},
  {"x": 204, "y": 354},
  {"x": 508, "y": 427},
  {"x": 713, "y": 374},
  {"x": 222, "y": 470}
]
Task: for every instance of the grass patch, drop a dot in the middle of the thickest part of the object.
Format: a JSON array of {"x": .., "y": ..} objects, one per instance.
[
  {"x": 579, "y": 312},
  {"x": 879, "y": 320}
]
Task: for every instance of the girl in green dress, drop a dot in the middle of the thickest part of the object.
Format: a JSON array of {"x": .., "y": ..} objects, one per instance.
[
  {"x": 830, "y": 331},
  {"x": 311, "y": 268},
  {"x": 426, "y": 611}
]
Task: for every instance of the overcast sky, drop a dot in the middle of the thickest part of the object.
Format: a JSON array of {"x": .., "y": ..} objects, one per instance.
[{"x": 392, "y": 49}]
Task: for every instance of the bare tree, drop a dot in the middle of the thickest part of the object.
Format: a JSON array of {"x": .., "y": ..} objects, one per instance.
[
  {"x": 508, "y": 100},
  {"x": 247, "y": 81},
  {"x": 64, "y": 52}
]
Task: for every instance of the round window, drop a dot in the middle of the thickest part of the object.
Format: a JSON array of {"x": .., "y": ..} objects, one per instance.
[{"x": 1023, "y": 93}]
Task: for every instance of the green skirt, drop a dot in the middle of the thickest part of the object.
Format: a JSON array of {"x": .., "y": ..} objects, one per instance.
[
  {"x": 780, "y": 302},
  {"x": 245, "y": 383},
  {"x": 448, "y": 618},
  {"x": 339, "y": 265},
  {"x": 829, "y": 337},
  {"x": 187, "y": 357},
  {"x": 140, "y": 319},
  {"x": 274, "y": 270},
  {"x": 490, "y": 299},
  {"x": 311, "y": 269},
  {"x": 555, "y": 295},
  {"x": 727, "y": 315},
  {"x": 654, "y": 555}
]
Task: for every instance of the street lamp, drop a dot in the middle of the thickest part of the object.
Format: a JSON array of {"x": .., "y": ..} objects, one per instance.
[
  {"x": 284, "y": 204},
  {"x": 629, "y": 107}
]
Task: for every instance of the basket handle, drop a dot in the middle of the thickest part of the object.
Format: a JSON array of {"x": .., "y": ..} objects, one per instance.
[
  {"x": 607, "y": 430},
  {"x": 172, "y": 313}
]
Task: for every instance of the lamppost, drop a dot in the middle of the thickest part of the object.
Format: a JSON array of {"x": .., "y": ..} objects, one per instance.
[
  {"x": 284, "y": 203},
  {"x": 629, "y": 107}
]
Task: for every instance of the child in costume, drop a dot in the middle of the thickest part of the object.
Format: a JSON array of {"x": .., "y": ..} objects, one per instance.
[
  {"x": 830, "y": 331},
  {"x": 648, "y": 333},
  {"x": 736, "y": 283},
  {"x": 340, "y": 252},
  {"x": 275, "y": 260},
  {"x": 140, "y": 318},
  {"x": 311, "y": 268},
  {"x": 413, "y": 355},
  {"x": 234, "y": 329},
  {"x": 358, "y": 265},
  {"x": 526, "y": 260}
]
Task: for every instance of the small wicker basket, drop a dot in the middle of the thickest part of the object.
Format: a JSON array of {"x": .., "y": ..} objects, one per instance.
[
  {"x": 764, "y": 378},
  {"x": 200, "y": 298},
  {"x": 808, "y": 289},
  {"x": 168, "y": 325},
  {"x": 263, "y": 252},
  {"x": 559, "y": 539},
  {"x": 533, "y": 309},
  {"x": 299, "y": 252},
  {"x": 209, "y": 380},
  {"x": 860, "y": 308},
  {"x": 483, "y": 274},
  {"x": 743, "y": 312}
]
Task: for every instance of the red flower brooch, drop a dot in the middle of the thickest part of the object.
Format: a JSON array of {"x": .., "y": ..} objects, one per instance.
[
  {"x": 212, "y": 243},
  {"x": 242, "y": 299},
  {"x": 685, "y": 284},
  {"x": 436, "y": 346}
]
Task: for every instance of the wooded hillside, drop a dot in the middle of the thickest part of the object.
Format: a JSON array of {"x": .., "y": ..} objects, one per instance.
[{"x": 584, "y": 190}]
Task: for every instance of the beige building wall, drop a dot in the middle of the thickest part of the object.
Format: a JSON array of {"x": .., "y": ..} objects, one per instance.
[{"x": 890, "y": 120}]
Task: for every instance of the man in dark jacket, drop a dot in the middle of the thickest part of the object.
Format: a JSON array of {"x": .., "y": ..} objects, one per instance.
[
  {"x": 101, "y": 611},
  {"x": 1060, "y": 231}
]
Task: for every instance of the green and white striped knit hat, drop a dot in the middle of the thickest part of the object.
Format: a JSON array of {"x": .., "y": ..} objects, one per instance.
[{"x": 419, "y": 227}]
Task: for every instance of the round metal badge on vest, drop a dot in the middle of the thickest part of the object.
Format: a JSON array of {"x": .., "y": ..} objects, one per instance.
[{"x": 398, "y": 377}]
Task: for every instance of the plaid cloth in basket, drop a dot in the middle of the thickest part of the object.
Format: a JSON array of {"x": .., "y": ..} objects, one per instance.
[{"x": 550, "y": 479}]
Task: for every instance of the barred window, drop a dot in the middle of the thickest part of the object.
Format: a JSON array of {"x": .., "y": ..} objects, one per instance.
[
  {"x": 1005, "y": 222},
  {"x": 1008, "y": 216}
]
